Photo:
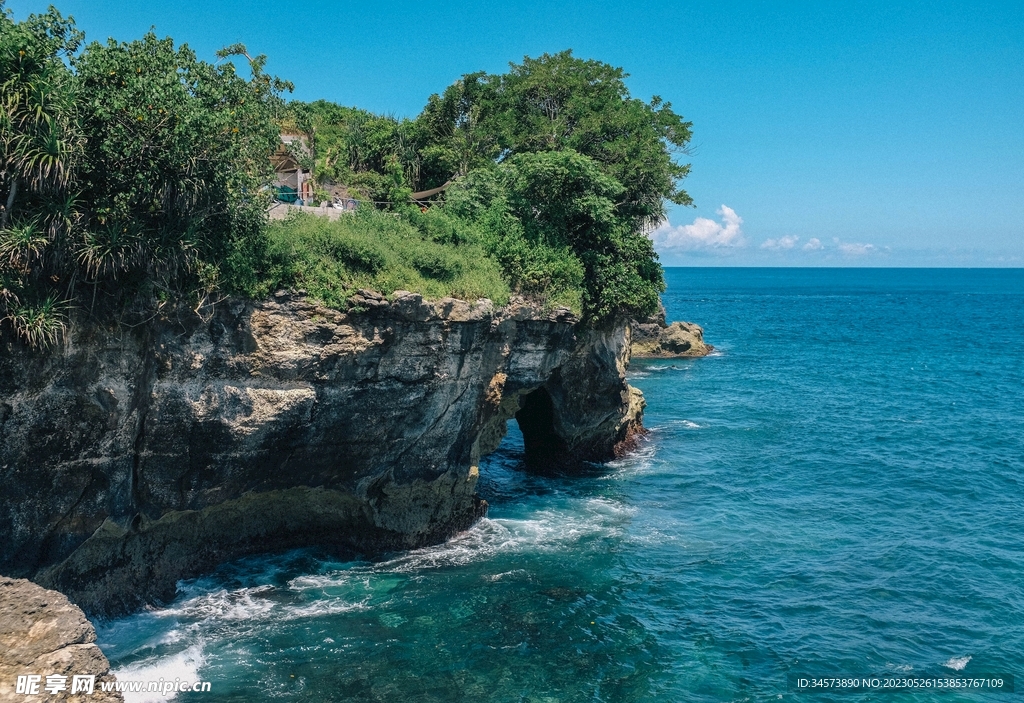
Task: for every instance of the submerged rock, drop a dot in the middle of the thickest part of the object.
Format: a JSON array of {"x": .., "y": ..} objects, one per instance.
[
  {"x": 135, "y": 457},
  {"x": 43, "y": 634}
]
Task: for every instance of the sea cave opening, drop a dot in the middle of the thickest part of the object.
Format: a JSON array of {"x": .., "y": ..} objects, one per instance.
[{"x": 536, "y": 419}]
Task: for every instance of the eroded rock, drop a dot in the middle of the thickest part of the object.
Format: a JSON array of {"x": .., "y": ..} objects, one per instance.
[
  {"x": 135, "y": 457},
  {"x": 654, "y": 338}
]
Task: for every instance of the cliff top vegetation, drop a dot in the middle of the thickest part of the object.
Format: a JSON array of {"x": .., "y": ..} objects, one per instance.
[{"x": 135, "y": 178}]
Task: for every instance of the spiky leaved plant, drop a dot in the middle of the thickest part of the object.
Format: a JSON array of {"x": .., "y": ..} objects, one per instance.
[
  {"x": 41, "y": 324},
  {"x": 41, "y": 145}
]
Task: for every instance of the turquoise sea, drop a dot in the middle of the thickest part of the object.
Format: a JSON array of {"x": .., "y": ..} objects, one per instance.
[{"x": 838, "y": 490}]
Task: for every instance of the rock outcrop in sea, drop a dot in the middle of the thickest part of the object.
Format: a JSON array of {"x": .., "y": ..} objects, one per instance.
[
  {"x": 135, "y": 457},
  {"x": 654, "y": 338},
  {"x": 42, "y": 634}
]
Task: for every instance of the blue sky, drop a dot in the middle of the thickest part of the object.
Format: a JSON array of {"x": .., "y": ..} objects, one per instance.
[{"x": 861, "y": 134}]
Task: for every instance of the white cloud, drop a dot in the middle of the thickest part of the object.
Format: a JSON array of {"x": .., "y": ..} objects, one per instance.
[
  {"x": 782, "y": 243},
  {"x": 813, "y": 244},
  {"x": 703, "y": 234},
  {"x": 855, "y": 248}
]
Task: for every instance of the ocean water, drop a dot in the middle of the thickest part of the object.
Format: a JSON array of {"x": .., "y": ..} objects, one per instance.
[{"x": 838, "y": 490}]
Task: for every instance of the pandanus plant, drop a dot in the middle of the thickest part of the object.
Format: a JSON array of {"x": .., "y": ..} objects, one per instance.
[
  {"x": 39, "y": 133},
  {"x": 40, "y": 149}
]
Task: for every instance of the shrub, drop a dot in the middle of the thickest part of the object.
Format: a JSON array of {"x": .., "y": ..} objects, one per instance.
[
  {"x": 437, "y": 263},
  {"x": 40, "y": 324},
  {"x": 551, "y": 222}
]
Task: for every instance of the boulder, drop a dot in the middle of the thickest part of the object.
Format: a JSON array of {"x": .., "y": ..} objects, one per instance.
[{"x": 43, "y": 634}]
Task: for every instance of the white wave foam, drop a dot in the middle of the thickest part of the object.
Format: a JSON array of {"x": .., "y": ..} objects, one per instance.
[
  {"x": 258, "y": 604},
  {"x": 637, "y": 462},
  {"x": 515, "y": 573},
  {"x": 957, "y": 663},
  {"x": 646, "y": 535},
  {"x": 482, "y": 541},
  {"x": 224, "y": 605},
  {"x": 319, "y": 608},
  {"x": 611, "y": 508},
  {"x": 543, "y": 531},
  {"x": 184, "y": 665},
  {"x": 680, "y": 364},
  {"x": 319, "y": 582}
]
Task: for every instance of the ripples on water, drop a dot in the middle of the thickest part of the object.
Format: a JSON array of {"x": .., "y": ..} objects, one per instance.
[{"x": 838, "y": 490}]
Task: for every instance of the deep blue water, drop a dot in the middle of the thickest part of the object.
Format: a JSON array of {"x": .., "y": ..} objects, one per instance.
[{"x": 839, "y": 489}]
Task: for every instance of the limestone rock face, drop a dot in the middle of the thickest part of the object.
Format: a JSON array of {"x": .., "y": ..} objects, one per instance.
[
  {"x": 134, "y": 457},
  {"x": 43, "y": 634},
  {"x": 654, "y": 338}
]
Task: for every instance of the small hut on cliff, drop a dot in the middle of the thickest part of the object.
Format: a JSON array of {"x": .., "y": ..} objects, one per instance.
[{"x": 291, "y": 180}]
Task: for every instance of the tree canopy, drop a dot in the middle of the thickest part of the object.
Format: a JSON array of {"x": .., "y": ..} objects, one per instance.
[
  {"x": 560, "y": 102},
  {"x": 134, "y": 175},
  {"x": 580, "y": 167},
  {"x": 127, "y": 168}
]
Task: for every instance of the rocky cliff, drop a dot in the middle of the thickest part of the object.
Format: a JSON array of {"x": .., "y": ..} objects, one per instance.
[{"x": 134, "y": 457}]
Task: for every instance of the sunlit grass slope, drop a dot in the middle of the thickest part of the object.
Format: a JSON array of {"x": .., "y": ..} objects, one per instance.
[{"x": 382, "y": 252}]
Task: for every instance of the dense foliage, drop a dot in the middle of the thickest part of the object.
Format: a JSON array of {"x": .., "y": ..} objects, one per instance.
[
  {"x": 131, "y": 173},
  {"x": 553, "y": 103},
  {"x": 554, "y": 158},
  {"x": 133, "y": 176},
  {"x": 354, "y": 147},
  {"x": 175, "y": 159},
  {"x": 41, "y": 145}
]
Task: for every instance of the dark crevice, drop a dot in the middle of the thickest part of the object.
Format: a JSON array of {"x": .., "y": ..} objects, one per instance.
[
  {"x": 140, "y": 403},
  {"x": 536, "y": 418}
]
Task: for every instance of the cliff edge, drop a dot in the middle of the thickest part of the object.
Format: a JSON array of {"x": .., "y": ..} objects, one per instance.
[{"x": 134, "y": 457}]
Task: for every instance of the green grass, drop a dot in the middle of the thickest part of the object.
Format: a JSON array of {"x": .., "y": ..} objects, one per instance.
[{"x": 379, "y": 251}]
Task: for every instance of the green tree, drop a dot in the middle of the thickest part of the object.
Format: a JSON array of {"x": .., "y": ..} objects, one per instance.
[
  {"x": 373, "y": 154},
  {"x": 584, "y": 169},
  {"x": 133, "y": 168},
  {"x": 456, "y": 132},
  {"x": 554, "y": 227},
  {"x": 564, "y": 200},
  {"x": 176, "y": 162},
  {"x": 558, "y": 102},
  {"x": 38, "y": 129},
  {"x": 537, "y": 266}
]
